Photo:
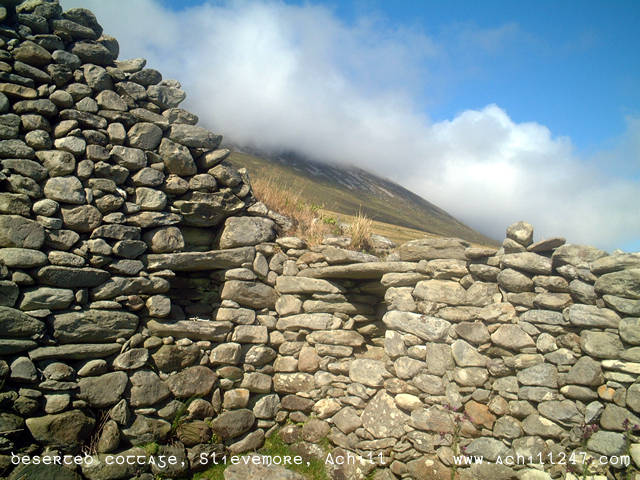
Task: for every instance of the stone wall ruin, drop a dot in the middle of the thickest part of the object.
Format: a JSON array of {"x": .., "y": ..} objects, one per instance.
[{"x": 145, "y": 298}]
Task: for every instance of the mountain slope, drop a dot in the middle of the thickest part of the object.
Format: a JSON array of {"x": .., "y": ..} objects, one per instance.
[{"x": 349, "y": 189}]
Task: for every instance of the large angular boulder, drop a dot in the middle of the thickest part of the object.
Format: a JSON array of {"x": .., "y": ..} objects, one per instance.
[
  {"x": 164, "y": 239},
  {"x": 246, "y": 231},
  {"x": 205, "y": 209},
  {"x": 249, "y": 294},
  {"x": 194, "y": 330},
  {"x": 512, "y": 337},
  {"x": 616, "y": 262},
  {"x": 192, "y": 382},
  {"x": 177, "y": 158},
  {"x": 442, "y": 291},
  {"x": 293, "y": 382},
  {"x": 43, "y": 472},
  {"x": 65, "y": 189},
  {"x": 625, "y": 283},
  {"x": 20, "y": 232},
  {"x": 302, "y": 285},
  {"x": 528, "y": 262},
  {"x": 103, "y": 467},
  {"x": 577, "y": 255},
  {"x": 16, "y": 324},
  {"x": 368, "y": 372},
  {"x": 233, "y": 423},
  {"x": 147, "y": 430},
  {"x": 84, "y": 218},
  {"x": 93, "y": 326},
  {"x": 193, "y": 136},
  {"x": 66, "y": 431},
  {"x": 629, "y": 329},
  {"x": 585, "y": 371},
  {"x": 22, "y": 257},
  {"x": 71, "y": 277},
  {"x": 147, "y": 389},
  {"x": 521, "y": 232},
  {"x": 47, "y": 298},
  {"x": 425, "y": 327},
  {"x": 103, "y": 391},
  {"x": 171, "y": 358},
  {"x": 591, "y": 316},
  {"x": 601, "y": 344},
  {"x": 432, "y": 248}
]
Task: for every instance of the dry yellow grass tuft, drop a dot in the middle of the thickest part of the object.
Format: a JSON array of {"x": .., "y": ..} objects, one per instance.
[
  {"x": 311, "y": 223},
  {"x": 307, "y": 219},
  {"x": 360, "y": 230}
]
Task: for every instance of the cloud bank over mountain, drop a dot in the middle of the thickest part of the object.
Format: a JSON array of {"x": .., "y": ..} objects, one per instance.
[{"x": 298, "y": 77}]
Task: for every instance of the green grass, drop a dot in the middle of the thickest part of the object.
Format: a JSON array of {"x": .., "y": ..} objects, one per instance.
[
  {"x": 180, "y": 416},
  {"x": 274, "y": 446},
  {"x": 150, "y": 448},
  {"x": 214, "y": 473},
  {"x": 371, "y": 474},
  {"x": 400, "y": 209}
]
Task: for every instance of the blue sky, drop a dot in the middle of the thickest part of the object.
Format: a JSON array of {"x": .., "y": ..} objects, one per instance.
[
  {"x": 495, "y": 111},
  {"x": 573, "y": 66}
]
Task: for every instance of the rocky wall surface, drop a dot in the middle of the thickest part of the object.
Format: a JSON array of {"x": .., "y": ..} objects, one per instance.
[
  {"x": 104, "y": 340},
  {"x": 529, "y": 351},
  {"x": 145, "y": 299}
]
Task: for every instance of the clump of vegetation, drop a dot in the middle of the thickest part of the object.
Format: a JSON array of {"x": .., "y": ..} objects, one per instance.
[
  {"x": 457, "y": 419},
  {"x": 307, "y": 219},
  {"x": 631, "y": 436},
  {"x": 216, "y": 472},
  {"x": 181, "y": 416},
  {"x": 313, "y": 469},
  {"x": 91, "y": 446},
  {"x": 151, "y": 448},
  {"x": 274, "y": 446},
  {"x": 215, "y": 438},
  {"x": 587, "y": 431},
  {"x": 361, "y": 229}
]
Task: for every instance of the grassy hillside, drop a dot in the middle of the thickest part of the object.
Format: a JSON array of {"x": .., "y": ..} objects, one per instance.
[
  {"x": 349, "y": 190},
  {"x": 396, "y": 233}
]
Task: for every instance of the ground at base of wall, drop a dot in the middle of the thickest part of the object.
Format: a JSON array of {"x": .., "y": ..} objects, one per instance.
[{"x": 269, "y": 462}]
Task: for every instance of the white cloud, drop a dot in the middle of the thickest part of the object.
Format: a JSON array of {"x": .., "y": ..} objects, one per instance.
[{"x": 297, "y": 77}]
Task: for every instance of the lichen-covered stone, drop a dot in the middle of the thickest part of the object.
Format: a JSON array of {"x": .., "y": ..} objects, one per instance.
[
  {"x": 428, "y": 328},
  {"x": 192, "y": 382},
  {"x": 368, "y": 372},
  {"x": 382, "y": 418},
  {"x": 147, "y": 389},
  {"x": 625, "y": 283}
]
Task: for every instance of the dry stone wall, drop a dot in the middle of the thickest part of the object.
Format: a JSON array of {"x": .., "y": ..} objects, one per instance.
[
  {"x": 146, "y": 299},
  {"x": 528, "y": 351},
  {"x": 103, "y": 178}
]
